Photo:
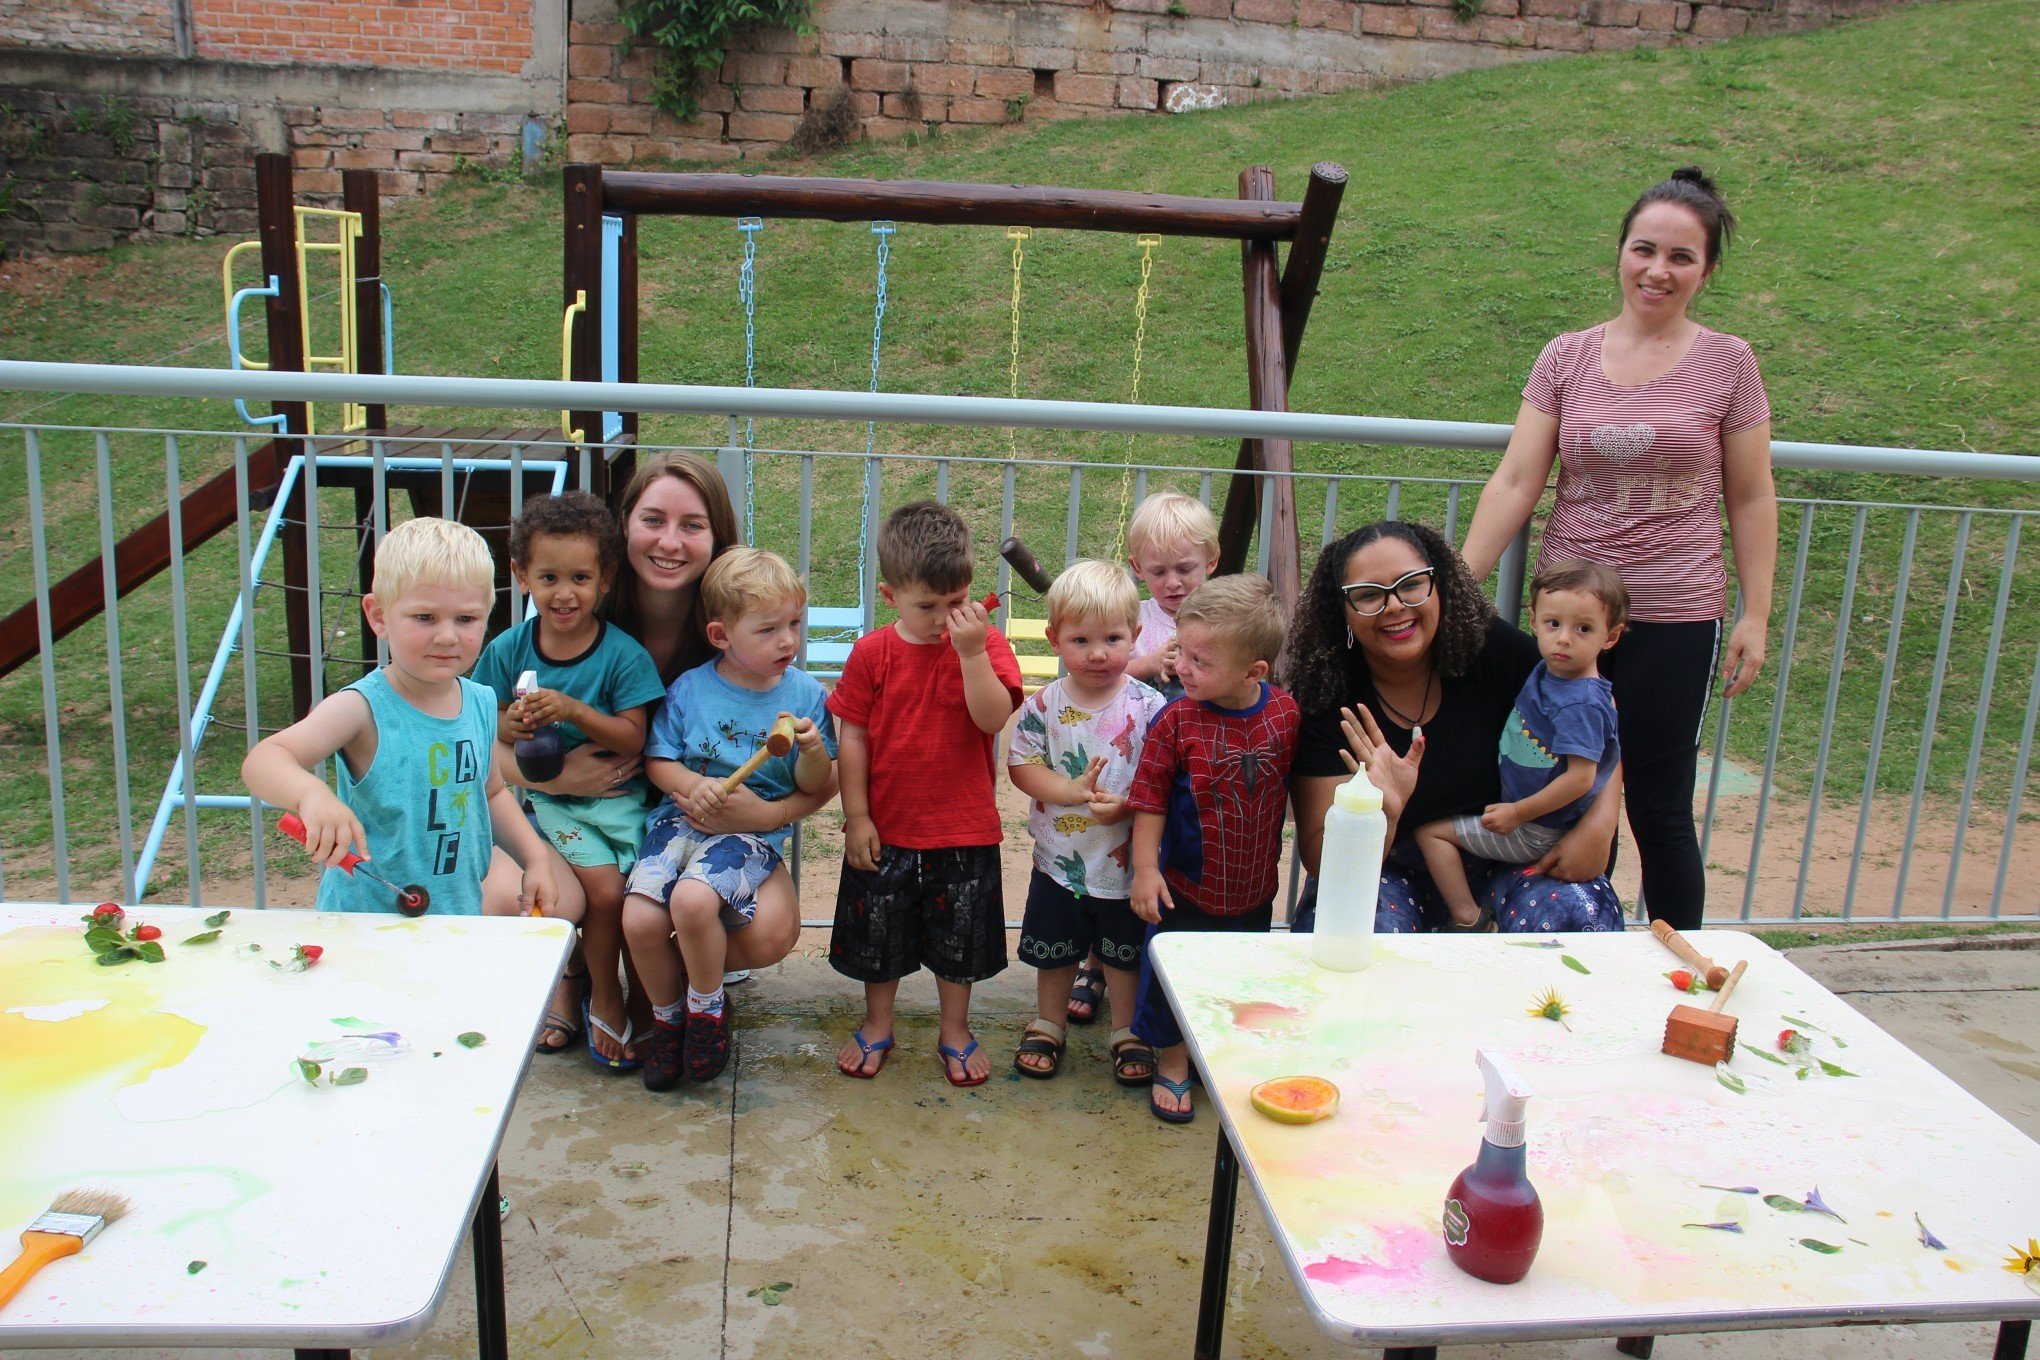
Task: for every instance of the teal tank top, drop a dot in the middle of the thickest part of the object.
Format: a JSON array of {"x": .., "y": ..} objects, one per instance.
[{"x": 423, "y": 802}]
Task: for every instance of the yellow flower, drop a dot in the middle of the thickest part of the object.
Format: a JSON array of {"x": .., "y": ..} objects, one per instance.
[
  {"x": 2027, "y": 1262},
  {"x": 1551, "y": 1006}
]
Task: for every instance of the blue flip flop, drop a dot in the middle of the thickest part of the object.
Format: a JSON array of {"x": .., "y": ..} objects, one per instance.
[
  {"x": 960, "y": 1057},
  {"x": 1181, "y": 1091},
  {"x": 883, "y": 1046},
  {"x": 592, "y": 1022}
]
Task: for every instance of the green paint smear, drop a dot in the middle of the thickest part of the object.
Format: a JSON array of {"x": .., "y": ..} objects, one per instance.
[
  {"x": 1765, "y": 1054},
  {"x": 351, "y": 1022}
]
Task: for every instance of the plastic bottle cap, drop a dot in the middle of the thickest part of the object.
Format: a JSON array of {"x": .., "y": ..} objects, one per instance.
[
  {"x": 1358, "y": 794},
  {"x": 526, "y": 683}
]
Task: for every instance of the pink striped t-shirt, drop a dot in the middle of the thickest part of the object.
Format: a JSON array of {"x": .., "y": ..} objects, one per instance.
[{"x": 1640, "y": 468}]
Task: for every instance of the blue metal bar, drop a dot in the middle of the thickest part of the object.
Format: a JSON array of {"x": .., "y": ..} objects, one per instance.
[
  {"x": 1983, "y": 696},
  {"x": 116, "y": 692},
  {"x": 187, "y": 741},
  {"x": 53, "y": 741}
]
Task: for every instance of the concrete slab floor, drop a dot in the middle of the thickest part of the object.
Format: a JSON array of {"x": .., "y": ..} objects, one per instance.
[{"x": 1024, "y": 1218}]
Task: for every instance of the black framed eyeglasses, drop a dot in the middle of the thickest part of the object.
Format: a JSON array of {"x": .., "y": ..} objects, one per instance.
[{"x": 1368, "y": 598}]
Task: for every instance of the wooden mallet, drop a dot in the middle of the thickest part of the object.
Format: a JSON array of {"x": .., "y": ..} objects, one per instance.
[
  {"x": 777, "y": 743},
  {"x": 1704, "y": 1036},
  {"x": 1713, "y": 973}
]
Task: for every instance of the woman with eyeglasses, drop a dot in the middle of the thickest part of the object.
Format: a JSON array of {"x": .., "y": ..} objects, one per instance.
[
  {"x": 1399, "y": 662},
  {"x": 1658, "y": 425}
]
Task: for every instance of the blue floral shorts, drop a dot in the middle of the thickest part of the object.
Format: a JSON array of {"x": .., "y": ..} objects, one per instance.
[{"x": 733, "y": 865}]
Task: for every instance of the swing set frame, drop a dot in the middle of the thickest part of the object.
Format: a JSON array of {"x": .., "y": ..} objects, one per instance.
[{"x": 1278, "y": 297}]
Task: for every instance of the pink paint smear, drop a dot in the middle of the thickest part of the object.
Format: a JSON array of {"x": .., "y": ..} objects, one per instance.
[
  {"x": 1405, "y": 1250},
  {"x": 1263, "y": 1015}
]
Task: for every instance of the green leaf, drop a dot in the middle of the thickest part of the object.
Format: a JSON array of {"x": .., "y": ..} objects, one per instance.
[
  {"x": 1763, "y": 1053},
  {"x": 115, "y": 957},
  {"x": 474, "y": 1038},
  {"x": 309, "y": 1070},
  {"x": 1815, "y": 1244},
  {"x": 218, "y": 919},
  {"x": 204, "y": 937},
  {"x": 102, "y": 938},
  {"x": 1833, "y": 1069},
  {"x": 1797, "y": 1023},
  {"x": 1803, "y": 1073},
  {"x": 150, "y": 950},
  {"x": 1731, "y": 1081},
  {"x": 1785, "y": 1204},
  {"x": 194, "y": 1267},
  {"x": 1574, "y": 964},
  {"x": 351, "y": 1076}
]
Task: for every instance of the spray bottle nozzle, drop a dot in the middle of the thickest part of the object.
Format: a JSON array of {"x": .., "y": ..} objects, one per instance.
[
  {"x": 1507, "y": 1095},
  {"x": 526, "y": 683}
]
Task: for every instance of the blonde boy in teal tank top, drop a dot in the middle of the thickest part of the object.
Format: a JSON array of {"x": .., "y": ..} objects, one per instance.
[{"x": 418, "y": 798}]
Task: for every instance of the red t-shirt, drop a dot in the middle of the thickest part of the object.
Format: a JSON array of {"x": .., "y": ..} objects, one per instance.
[
  {"x": 933, "y": 776},
  {"x": 1221, "y": 776},
  {"x": 1639, "y": 468}
]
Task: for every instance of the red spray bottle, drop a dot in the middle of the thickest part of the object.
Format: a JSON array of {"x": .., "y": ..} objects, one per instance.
[{"x": 1493, "y": 1221}]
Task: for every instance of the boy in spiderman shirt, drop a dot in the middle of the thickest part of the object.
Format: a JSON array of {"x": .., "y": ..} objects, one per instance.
[{"x": 1208, "y": 799}]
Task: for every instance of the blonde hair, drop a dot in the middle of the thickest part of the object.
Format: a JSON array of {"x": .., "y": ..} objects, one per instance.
[
  {"x": 1241, "y": 612},
  {"x": 1094, "y": 590},
  {"x": 1169, "y": 517},
  {"x": 743, "y": 579},
  {"x": 432, "y": 552}
]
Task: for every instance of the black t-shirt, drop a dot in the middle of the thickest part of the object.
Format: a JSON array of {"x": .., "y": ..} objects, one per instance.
[{"x": 1459, "y": 775}]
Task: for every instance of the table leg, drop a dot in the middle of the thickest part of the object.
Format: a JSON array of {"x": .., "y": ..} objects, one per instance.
[
  {"x": 1410, "y": 1353},
  {"x": 1638, "y": 1346},
  {"x": 491, "y": 1326},
  {"x": 304, "y": 1354},
  {"x": 2011, "y": 1342},
  {"x": 1225, "y": 1187}
]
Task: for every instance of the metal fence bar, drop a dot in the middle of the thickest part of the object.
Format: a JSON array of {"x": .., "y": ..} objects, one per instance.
[
  {"x": 251, "y": 721},
  {"x": 53, "y": 741},
  {"x": 1777, "y": 707},
  {"x": 379, "y": 527},
  {"x": 867, "y": 528},
  {"x": 1948, "y": 607},
  {"x": 1267, "y": 517},
  {"x": 1005, "y": 529},
  {"x": 1073, "y": 516},
  {"x": 1718, "y": 759},
  {"x": 1905, "y": 557},
  {"x": 1997, "y": 894},
  {"x": 1330, "y": 530},
  {"x": 315, "y": 584},
  {"x": 1827, "y": 722},
  {"x": 1452, "y": 513},
  {"x": 1989, "y": 681},
  {"x": 116, "y": 691},
  {"x": 187, "y": 744},
  {"x": 1392, "y": 509},
  {"x": 942, "y": 480}
]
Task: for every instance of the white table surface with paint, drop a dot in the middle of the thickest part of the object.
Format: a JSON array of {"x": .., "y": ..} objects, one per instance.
[
  {"x": 1631, "y": 1151},
  {"x": 322, "y": 1214}
]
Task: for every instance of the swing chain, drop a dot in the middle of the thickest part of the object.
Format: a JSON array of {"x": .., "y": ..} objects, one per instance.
[
  {"x": 747, "y": 293},
  {"x": 1019, "y": 237},
  {"x": 1147, "y": 242},
  {"x": 884, "y": 231}
]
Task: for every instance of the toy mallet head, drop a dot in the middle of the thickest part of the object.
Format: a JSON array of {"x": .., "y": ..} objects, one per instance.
[{"x": 1704, "y": 1036}]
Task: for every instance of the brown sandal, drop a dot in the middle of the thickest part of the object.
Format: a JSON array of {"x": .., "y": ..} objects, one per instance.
[
  {"x": 1042, "y": 1039},
  {"x": 1129, "y": 1050}
]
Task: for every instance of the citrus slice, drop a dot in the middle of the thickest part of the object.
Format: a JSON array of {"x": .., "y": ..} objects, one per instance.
[{"x": 1296, "y": 1100}]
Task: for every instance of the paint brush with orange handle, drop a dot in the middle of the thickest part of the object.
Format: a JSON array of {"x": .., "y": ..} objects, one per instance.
[
  {"x": 412, "y": 901},
  {"x": 73, "y": 1220},
  {"x": 777, "y": 743}
]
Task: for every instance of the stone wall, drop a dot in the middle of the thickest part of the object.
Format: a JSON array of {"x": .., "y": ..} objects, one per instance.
[
  {"x": 124, "y": 27},
  {"x": 905, "y": 65}
]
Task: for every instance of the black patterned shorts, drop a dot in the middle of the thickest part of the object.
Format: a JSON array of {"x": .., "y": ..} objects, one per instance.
[
  {"x": 942, "y": 908},
  {"x": 1060, "y": 928}
]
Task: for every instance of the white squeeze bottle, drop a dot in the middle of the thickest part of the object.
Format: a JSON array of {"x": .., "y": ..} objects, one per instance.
[{"x": 1349, "y": 877}]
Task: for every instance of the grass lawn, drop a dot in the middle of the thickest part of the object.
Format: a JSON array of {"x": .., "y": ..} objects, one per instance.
[{"x": 1884, "y": 272}]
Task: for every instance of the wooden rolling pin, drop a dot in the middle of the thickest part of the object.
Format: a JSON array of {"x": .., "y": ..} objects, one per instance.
[
  {"x": 1713, "y": 973},
  {"x": 777, "y": 743},
  {"x": 1704, "y": 1036}
]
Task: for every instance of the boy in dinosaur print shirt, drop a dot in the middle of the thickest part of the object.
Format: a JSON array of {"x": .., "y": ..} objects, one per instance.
[{"x": 1074, "y": 751}]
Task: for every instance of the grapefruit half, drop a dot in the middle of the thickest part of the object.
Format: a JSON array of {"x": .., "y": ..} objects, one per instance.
[{"x": 1296, "y": 1100}]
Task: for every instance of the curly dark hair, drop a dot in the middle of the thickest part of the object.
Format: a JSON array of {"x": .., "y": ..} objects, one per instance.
[
  {"x": 1318, "y": 666},
  {"x": 571, "y": 514}
]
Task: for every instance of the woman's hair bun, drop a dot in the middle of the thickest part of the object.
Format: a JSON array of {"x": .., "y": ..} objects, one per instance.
[{"x": 1698, "y": 178}]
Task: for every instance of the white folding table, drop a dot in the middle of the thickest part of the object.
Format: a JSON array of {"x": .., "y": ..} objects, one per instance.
[
  {"x": 1631, "y": 1151},
  {"x": 266, "y": 1209}
]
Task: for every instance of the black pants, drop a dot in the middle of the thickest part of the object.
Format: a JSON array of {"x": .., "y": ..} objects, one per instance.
[{"x": 1663, "y": 674}]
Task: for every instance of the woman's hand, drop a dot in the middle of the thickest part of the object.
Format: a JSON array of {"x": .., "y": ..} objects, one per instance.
[
  {"x": 1744, "y": 655},
  {"x": 591, "y": 772},
  {"x": 1580, "y": 856},
  {"x": 1394, "y": 775}
]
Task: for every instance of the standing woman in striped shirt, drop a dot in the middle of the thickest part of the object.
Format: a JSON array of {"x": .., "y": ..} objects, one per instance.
[{"x": 1656, "y": 423}]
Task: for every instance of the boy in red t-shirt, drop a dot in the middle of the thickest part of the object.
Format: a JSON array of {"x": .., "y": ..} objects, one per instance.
[
  {"x": 919, "y": 706},
  {"x": 1208, "y": 798}
]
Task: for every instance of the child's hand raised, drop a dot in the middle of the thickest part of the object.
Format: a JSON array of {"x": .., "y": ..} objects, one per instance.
[
  {"x": 806, "y": 736},
  {"x": 1088, "y": 780},
  {"x": 1167, "y": 667},
  {"x": 1151, "y": 895},
  {"x": 969, "y": 627}
]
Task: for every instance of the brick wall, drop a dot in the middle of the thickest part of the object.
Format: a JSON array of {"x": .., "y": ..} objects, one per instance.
[
  {"x": 903, "y": 65},
  {"x": 126, "y": 26},
  {"x": 462, "y": 35}
]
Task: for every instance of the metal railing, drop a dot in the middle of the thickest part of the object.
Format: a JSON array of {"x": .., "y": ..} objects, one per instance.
[{"x": 1877, "y": 770}]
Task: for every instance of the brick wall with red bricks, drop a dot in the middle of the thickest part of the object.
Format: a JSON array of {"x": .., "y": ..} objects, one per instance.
[
  {"x": 461, "y": 35},
  {"x": 909, "y": 65}
]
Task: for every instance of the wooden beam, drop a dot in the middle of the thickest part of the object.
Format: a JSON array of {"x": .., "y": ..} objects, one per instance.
[
  {"x": 276, "y": 220},
  {"x": 943, "y": 204},
  {"x": 582, "y": 277},
  {"x": 1267, "y": 390},
  {"x": 1305, "y": 266},
  {"x": 359, "y": 194}
]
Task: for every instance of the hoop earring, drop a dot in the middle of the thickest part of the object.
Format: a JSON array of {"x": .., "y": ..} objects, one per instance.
[{"x": 1349, "y": 637}]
